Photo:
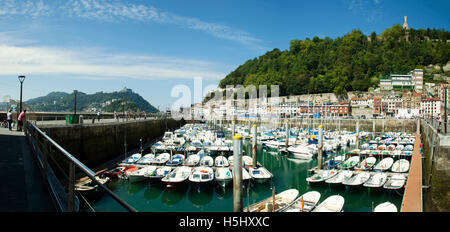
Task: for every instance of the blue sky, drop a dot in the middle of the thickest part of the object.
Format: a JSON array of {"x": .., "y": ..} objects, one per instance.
[{"x": 151, "y": 46}]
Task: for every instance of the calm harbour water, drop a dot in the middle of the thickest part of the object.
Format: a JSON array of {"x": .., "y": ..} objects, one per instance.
[{"x": 288, "y": 173}]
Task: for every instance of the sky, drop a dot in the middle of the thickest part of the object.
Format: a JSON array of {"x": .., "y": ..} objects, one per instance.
[{"x": 153, "y": 46}]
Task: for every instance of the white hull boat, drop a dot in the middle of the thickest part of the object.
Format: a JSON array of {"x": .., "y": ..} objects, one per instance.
[
  {"x": 305, "y": 203},
  {"x": 223, "y": 176},
  {"x": 161, "y": 158},
  {"x": 366, "y": 164},
  {"x": 333, "y": 203},
  {"x": 146, "y": 159},
  {"x": 376, "y": 180},
  {"x": 282, "y": 199},
  {"x": 401, "y": 165},
  {"x": 385, "y": 207},
  {"x": 260, "y": 174},
  {"x": 201, "y": 176},
  {"x": 132, "y": 159},
  {"x": 357, "y": 179},
  {"x": 341, "y": 176},
  {"x": 384, "y": 165},
  {"x": 140, "y": 174},
  {"x": 159, "y": 173},
  {"x": 221, "y": 161},
  {"x": 207, "y": 161},
  {"x": 350, "y": 162},
  {"x": 177, "y": 177},
  {"x": 395, "y": 182},
  {"x": 321, "y": 176},
  {"x": 192, "y": 160}
]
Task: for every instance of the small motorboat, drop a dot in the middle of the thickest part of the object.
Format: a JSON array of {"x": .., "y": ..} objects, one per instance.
[
  {"x": 177, "y": 177},
  {"x": 207, "y": 161},
  {"x": 341, "y": 176},
  {"x": 385, "y": 207},
  {"x": 273, "y": 203},
  {"x": 366, "y": 164},
  {"x": 247, "y": 161},
  {"x": 305, "y": 203},
  {"x": 192, "y": 160},
  {"x": 201, "y": 176},
  {"x": 260, "y": 174},
  {"x": 401, "y": 165},
  {"x": 176, "y": 160},
  {"x": 350, "y": 162},
  {"x": 333, "y": 203},
  {"x": 161, "y": 159},
  {"x": 146, "y": 159},
  {"x": 223, "y": 176},
  {"x": 300, "y": 152},
  {"x": 384, "y": 165},
  {"x": 376, "y": 180},
  {"x": 132, "y": 159},
  {"x": 395, "y": 182},
  {"x": 321, "y": 176},
  {"x": 140, "y": 174},
  {"x": 158, "y": 174},
  {"x": 221, "y": 161},
  {"x": 357, "y": 179}
]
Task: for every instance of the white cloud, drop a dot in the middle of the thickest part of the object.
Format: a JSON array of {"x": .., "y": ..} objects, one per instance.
[
  {"x": 83, "y": 64},
  {"x": 117, "y": 11}
]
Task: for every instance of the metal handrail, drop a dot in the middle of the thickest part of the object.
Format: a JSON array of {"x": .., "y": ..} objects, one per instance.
[{"x": 91, "y": 174}]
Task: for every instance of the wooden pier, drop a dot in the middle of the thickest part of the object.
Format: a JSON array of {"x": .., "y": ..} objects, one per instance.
[{"x": 412, "y": 198}]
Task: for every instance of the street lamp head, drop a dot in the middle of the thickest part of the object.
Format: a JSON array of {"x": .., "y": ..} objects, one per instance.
[{"x": 21, "y": 79}]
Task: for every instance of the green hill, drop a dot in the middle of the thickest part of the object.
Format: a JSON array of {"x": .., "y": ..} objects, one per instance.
[
  {"x": 105, "y": 102},
  {"x": 354, "y": 62}
]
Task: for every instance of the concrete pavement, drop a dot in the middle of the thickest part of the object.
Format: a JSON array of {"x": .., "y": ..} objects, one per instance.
[{"x": 22, "y": 188}]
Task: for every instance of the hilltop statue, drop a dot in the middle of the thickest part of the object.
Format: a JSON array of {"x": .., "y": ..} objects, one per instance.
[{"x": 405, "y": 25}]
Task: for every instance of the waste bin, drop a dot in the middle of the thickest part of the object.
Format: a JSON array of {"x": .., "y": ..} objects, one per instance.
[{"x": 72, "y": 119}]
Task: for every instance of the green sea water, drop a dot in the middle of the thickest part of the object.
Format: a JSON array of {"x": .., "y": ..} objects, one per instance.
[{"x": 287, "y": 173}]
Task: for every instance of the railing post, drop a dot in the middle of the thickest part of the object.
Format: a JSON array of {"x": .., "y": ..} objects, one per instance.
[
  {"x": 237, "y": 172},
  {"x": 71, "y": 193}
]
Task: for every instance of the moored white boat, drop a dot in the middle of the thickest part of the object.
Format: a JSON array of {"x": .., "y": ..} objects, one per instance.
[
  {"x": 146, "y": 159},
  {"x": 267, "y": 205},
  {"x": 132, "y": 159},
  {"x": 177, "y": 177},
  {"x": 376, "y": 180},
  {"x": 333, "y": 203},
  {"x": 159, "y": 173},
  {"x": 341, "y": 176},
  {"x": 401, "y": 165},
  {"x": 350, "y": 163},
  {"x": 304, "y": 203},
  {"x": 260, "y": 174},
  {"x": 161, "y": 158},
  {"x": 223, "y": 176},
  {"x": 192, "y": 160},
  {"x": 366, "y": 164},
  {"x": 385, "y": 207},
  {"x": 139, "y": 175},
  {"x": 395, "y": 182},
  {"x": 357, "y": 179},
  {"x": 207, "y": 161},
  {"x": 221, "y": 161},
  {"x": 384, "y": 164},
  {"x": 201, "y": 176},
  {"x": 321, "y": 176},
  {"x": 176, "y": 160}
]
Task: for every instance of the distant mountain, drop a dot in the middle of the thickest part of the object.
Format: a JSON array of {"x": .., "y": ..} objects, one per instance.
[{"x": 105, "y": 102}]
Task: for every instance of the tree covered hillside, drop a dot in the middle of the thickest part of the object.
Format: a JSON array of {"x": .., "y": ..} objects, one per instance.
[{"x": 353, "y": 62}]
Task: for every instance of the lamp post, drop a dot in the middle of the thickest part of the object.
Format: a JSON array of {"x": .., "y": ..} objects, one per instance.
[
  {"x": 75, "y": 105},
  {"x": 21, "y": 80}
]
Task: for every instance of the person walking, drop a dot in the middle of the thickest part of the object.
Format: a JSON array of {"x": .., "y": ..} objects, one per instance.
[
  {"x": 9, "y": 119},
  {"x": 21, "y": 120},
  {"x": 98, "y": 116}
]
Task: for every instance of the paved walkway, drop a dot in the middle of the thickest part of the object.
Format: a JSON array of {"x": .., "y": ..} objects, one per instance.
[
  {"x": 22, "y": 188},
  {"x": 413, "y": 198}
]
